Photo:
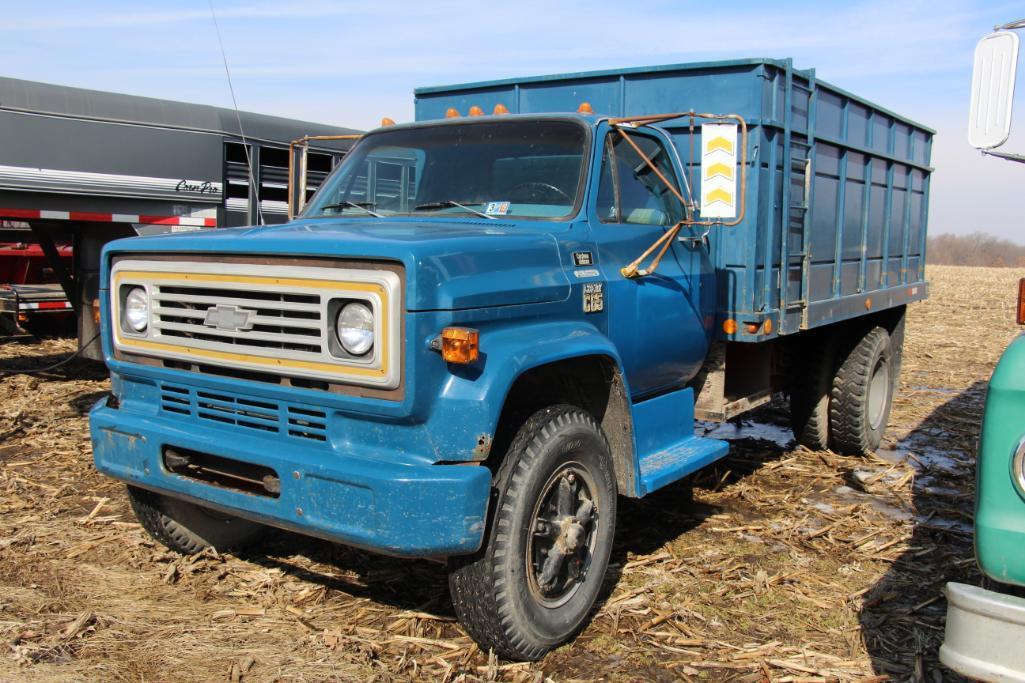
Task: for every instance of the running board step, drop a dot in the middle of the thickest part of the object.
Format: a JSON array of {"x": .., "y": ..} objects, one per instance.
[
  {"x": 666, "y": 446},
  {"x": 678, "y": 460}
]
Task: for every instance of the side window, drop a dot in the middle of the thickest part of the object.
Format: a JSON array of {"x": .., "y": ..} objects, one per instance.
[{"x": 629, "y": 191}]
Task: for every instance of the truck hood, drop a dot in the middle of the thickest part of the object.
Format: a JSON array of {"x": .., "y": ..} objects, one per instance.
[{"x": 449, "y": 265}]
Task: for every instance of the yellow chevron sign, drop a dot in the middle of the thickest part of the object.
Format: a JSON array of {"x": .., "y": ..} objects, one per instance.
[
  {"x": 719, "y": 195},
  {"x": 719, "y": 143},
  {"x": 718, "y": 170}
]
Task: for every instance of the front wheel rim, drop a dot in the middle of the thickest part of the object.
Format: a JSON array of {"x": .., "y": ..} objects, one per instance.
[{"x": 561, "y": 536}]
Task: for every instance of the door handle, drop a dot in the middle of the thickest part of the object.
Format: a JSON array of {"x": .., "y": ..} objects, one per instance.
[{"x": 694, "y": 240}]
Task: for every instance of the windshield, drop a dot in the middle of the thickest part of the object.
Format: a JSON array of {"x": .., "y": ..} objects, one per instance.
[{"x": 493, "y": 169}]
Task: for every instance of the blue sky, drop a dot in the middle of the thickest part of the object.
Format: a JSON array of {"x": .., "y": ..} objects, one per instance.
[{"x": 352, "y": 63}]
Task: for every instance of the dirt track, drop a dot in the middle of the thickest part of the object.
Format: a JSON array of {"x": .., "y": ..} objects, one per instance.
[{"x": 789, "y": 565}]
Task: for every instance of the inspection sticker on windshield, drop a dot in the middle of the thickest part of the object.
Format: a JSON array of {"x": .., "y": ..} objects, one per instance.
[
  {"x": 497, "y": 208},
  {"x": 594, "y": 297}
]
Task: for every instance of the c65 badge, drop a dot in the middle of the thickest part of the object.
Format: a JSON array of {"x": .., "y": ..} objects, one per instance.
[{"x": 594, "y": 297}]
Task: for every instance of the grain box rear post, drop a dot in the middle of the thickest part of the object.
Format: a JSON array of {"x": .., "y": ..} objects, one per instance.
[{"x": 854, "y": 241}]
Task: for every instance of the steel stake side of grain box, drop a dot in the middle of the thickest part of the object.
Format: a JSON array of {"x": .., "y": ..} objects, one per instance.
[
  {"x": 985, "y": 628},
  {"x": 476, "y": 366}
]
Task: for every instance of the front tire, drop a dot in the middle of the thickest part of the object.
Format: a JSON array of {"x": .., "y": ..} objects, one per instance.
[
  {"x": 532, "y": 585},
  {"x": 863, "y": 395},
  {"x": 187, "y": 528}
]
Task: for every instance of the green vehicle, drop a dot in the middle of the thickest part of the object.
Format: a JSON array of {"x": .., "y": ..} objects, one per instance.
[{"x": 985, "y": 635}]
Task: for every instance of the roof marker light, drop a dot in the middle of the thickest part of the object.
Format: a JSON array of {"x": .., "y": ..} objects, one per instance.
[
  {"x": 451, "y": 113},
  {"x": 585, "y": 108},
  {"x": 500, "y": 109},
  {"x": 475, "y": 111},
  {"x": 387, "y": 122}
]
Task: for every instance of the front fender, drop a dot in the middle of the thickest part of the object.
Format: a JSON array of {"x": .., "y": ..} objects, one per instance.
[
  {"x": 470, "y": 401},
  {"x": 1000, "y": 504}
]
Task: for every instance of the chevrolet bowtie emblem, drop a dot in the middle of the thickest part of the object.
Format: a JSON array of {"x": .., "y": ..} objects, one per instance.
[{"x": 229, "y": 318}]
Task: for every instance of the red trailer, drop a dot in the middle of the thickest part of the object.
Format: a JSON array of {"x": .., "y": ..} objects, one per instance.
[{"x": 29, "y": 286}]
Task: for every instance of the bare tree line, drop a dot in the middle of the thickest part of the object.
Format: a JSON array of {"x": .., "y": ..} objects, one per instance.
[{"x": 975, "y": 249}]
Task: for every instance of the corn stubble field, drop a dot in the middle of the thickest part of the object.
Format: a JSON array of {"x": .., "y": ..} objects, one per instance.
[{"x": 787, "y": 564}]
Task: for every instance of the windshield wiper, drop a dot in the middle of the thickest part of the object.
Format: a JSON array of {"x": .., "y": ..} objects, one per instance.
[
  {"x": 363, "y": 206},
  {"x": 451, "y": 202}
]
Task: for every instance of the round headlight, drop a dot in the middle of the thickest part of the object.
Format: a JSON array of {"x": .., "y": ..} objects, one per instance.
[
  {"x": 355, "y": 328},
  {"x": 137, "y": 309}
]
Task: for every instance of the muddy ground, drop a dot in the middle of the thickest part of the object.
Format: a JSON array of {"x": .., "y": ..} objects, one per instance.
[{"x": 787, "y": 565}]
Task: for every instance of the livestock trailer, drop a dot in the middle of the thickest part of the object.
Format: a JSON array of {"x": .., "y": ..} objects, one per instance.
[{"x": 84, "y": 167}]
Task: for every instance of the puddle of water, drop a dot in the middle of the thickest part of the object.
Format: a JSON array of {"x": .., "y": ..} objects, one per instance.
[
  {"x": 888, "y": 510},
  {"x": 746, "y": 429},
  {"x": 935, "y": 390},
  {"x": 946, "y": 523},
  {"x": 921, "y": 455},
  {"x": 824, "y": 507}
]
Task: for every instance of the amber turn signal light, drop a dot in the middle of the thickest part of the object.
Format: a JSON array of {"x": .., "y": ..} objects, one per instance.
[
  {"x": 1021, "y": 302},
  {"x": 96, "y": 311},
  {"x": 460, "y": 345}
]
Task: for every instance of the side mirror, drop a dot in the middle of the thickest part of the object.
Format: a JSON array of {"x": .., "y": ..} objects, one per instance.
[{"x": 993, "y": 74}]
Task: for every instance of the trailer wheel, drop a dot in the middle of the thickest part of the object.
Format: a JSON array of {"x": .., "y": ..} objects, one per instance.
[
  {"x": 810, "y": 387},
  {"x": 187, "y": 528},
  {"x": 532, "y": 585},
  {"x": 862, "y": 395}
]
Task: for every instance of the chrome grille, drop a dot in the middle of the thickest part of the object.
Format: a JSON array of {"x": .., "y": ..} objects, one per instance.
[
  {"x": 275, "y": 320},
  {"x": 279, "y": 320}
]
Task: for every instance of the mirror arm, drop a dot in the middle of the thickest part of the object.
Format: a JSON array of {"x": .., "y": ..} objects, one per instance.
[{"x": 1020, "y": 158}]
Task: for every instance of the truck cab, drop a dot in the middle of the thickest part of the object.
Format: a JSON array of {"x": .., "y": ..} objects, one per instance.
[
  {"x": 481, "y": 331},
  {"x": 985, "y": 625}
]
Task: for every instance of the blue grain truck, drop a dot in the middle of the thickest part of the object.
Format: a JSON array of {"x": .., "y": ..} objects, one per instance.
[{"x": 484, "y": 328}]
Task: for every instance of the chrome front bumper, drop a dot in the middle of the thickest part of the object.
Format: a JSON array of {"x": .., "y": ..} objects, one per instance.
[{"x": 985, "y": 636}]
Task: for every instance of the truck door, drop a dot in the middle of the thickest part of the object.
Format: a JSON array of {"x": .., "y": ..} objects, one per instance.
[{"x": 656, "y": 321}]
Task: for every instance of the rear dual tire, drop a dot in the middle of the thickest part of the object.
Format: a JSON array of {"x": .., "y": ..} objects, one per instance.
[
  {"x": 841, "y": 396},
  {"x": 862, "y": 395}
]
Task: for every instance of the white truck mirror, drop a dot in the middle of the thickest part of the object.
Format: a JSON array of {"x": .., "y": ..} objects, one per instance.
[{"x": 989, "y": 118}]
